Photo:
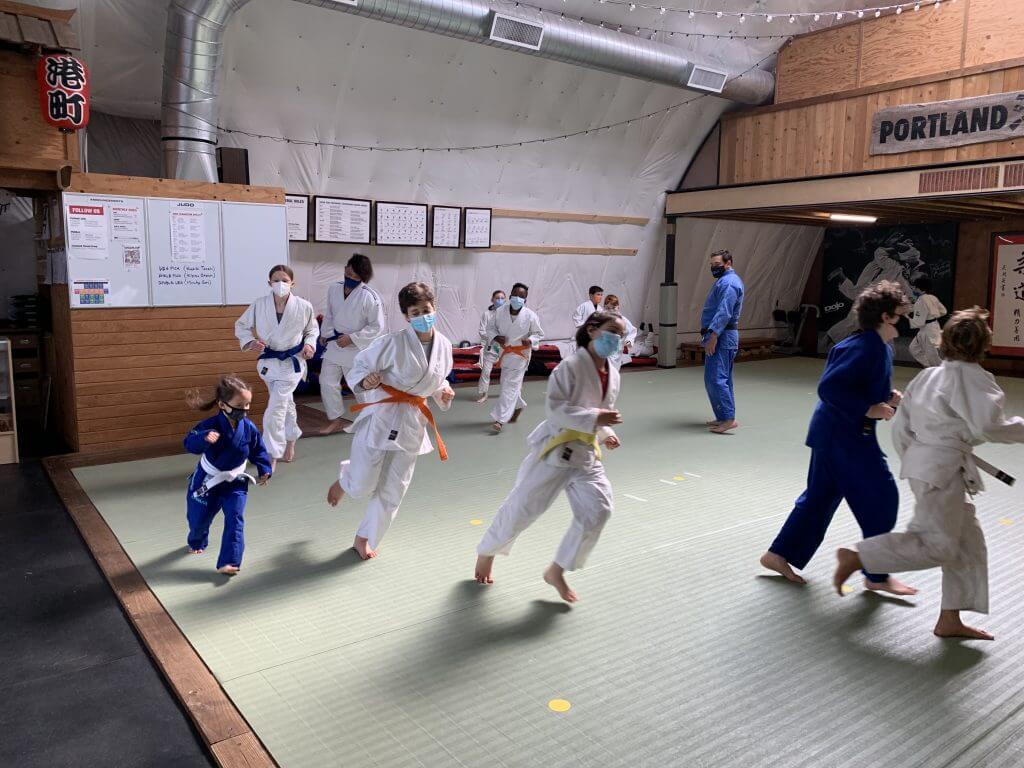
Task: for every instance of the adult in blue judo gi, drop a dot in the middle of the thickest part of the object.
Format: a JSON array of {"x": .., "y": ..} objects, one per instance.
[
  {"x": 855, "y": 392},
  {"x": 720, "y": 337}
]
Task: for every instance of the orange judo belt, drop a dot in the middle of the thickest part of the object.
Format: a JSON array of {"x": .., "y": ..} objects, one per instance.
[
  {"x": 518, "y": 350},
  {"x": 398, "y": 396}
]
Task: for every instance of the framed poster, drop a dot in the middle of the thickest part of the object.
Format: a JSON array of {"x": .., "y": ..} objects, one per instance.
[
  {"x": 446, "y": 227},
  {"x": 297, "y": 207},
  {"x": 478, "y": 228},
  {"x": 1006, "y": 294},
  {"x": 401, "y": 224},
  {"x": 342, "y": 220}
]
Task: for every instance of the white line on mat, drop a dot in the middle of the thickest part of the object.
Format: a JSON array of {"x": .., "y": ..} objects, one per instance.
[
  {"x": 667, "y": 482},
  {"x": 634, "y": 498}
]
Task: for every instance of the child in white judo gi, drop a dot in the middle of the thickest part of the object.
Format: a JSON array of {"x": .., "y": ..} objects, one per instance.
[
  {"x": 354, "y": 319},
  {"x": 588, "y": 307},
  {"x": 396, "y": 374},
  {"x": 282, "y": 328},
  {"x": 611, "y": 304},
  {"x": 946, "y": 411},
  {"x": 516, "y": 329},
  {"x": 927, "y": 312},
  {"x": 565, "y": 454},
  {"x": 489, "y": 351},
  {"x": 225, "y": 443}
]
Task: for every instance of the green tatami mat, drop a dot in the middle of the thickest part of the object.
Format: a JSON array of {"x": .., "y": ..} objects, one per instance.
[{"x": 681, "y": 651}]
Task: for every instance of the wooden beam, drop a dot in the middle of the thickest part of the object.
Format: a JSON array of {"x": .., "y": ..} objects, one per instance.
[
  {"x": 588, "y": 218},
  {"x": 34, "y": 10},
  {"x": 563, "y": 249},
  {"x": 109, "y": 184},
  {"x": 227, "y": 735}
]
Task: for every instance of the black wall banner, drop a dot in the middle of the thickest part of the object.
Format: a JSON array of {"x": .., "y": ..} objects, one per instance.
[
  {"x": 856, "y": 258},
  {"x": 942, "y": 124}
]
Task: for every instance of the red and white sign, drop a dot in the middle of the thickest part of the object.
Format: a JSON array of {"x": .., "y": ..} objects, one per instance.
[
  {"x": 1007, "y": 294},
  {"x": 88, "y": 231},
  {"x": 63, "y": 91}
]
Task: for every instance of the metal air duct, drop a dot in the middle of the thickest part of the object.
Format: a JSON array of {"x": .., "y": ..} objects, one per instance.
[{"x": 194, "y": 40}]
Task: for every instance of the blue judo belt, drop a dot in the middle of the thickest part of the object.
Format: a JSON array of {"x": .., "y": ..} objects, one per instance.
[{"x": 288, "y": 353}]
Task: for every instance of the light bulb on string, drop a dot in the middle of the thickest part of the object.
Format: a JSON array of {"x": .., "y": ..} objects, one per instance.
[
  {"x": 917, "y": 6},
  {"x": 839, "y": 16},
  {"x": 662, "y": 12},
  {"x": 718, "y": 15},
  {"x": 899, "y": 9},
  {"x": 769, "y": 17},
  {"x": 860, "y": 14},
  {"x": 632, "y": 7},
  {"x": 691, "y": 14},
  {"x": 792, "y": 19},
  {"x": 743, "y": 18},
  {"x": 817, "y": 17},
  {"x": 877, "y": 14}
]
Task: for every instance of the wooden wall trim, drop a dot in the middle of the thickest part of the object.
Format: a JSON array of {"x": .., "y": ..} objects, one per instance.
[
  {"x": 582, "y": 250},
  {"x": 587, "y": 218},
  {"x": 139, "y": 186},
  {"x": 226, "y": 734}
]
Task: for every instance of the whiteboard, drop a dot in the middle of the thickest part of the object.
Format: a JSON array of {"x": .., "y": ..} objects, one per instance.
[
  {"x": 401, "y": 224},
  {"x": 255, "y": 239},
  {"x": 108, "y": 262},
  {"x": 185, "y": 250}
]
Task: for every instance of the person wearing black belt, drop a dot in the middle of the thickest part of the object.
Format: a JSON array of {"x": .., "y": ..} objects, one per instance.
[
  {"x": 720, "y": 338},
  {"x": 928, "y": 310}
]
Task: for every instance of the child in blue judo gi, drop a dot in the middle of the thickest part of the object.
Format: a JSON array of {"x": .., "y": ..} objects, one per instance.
[
  {"x": 846, "y": 461},
  {"x": 225, "y": 443}
]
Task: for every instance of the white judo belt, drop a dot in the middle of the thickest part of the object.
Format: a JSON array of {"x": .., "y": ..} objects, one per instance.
[
  {"x": 997, "y": 473},
  {"x": 216, "y": 476}
]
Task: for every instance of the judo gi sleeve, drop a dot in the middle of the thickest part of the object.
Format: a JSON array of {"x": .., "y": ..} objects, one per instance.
[
  {"x": 259, "y": 455},
  {"x": 374, "y": 322},
  {"x": 981, "y": 405},
  {"x": 561, "y": 411},
  {"x": 244, "y": 326},
  {"x": 723, "y": 313}
]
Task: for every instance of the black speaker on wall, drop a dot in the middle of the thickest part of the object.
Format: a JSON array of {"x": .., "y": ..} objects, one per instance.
[{"x": 232, "y": 165}]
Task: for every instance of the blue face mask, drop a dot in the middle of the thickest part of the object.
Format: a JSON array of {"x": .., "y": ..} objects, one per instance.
[
  {"x": 498, "y": 303},
  {"x": 423, "y": 323},
  {"x": 517, "y": 302},
  {"x": 607, "y": 344},
  {"x": 350, "y": 283}
]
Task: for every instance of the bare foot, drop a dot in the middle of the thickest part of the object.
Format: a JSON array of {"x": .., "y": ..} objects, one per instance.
[
  {"x": 484, "y": 563},
  {"x": 713, "y": 423},
  {"x": 496, "y": 426},
  {"x": 229, "y": 570},
  {"x": 515, "y": 415},
  {"x": 481, "y": 399},
  {"x": 195, "y": 551},
  {"x": 849, "y": 563},
  {"x": 892, "y": 586},
  {"x": 555, "y": 576},
  {"x": 362, "y": 546},
  {"x": 950, "y": 625},
  {"x": 336, "y": 425},
  {"x": 724, "y": 426},
  {"x": 273, "y": 466},
  {"x": 777, "y": 563},
  {"x": 335, "y": 494},
  {"x": 289, "y": 452}
]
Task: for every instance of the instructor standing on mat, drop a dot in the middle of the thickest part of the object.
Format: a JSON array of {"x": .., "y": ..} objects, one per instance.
[{"x": 720, "y": 337}]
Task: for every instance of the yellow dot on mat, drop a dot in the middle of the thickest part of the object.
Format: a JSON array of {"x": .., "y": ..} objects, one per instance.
[
  {"x": 847, "y": 589},
  {"x": 476, "y": 522},
  {"x": 559, "y": 705},
  {"x": 678, "y": 477},
  {"x": 1005, "y": 521}
]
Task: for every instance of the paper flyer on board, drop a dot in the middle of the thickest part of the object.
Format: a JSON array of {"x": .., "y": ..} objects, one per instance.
[
  {"x": 88, "y": 231},
  {"x": 188, "y": 236}
]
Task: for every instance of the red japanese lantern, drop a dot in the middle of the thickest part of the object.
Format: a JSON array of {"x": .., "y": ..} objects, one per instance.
[{"x": 64, "y": 91}]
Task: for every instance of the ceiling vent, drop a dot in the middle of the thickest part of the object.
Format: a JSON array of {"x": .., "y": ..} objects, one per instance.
[
  {"x": 958, "y": 180},
  {"x": 523, "y": 34},
  {"x": 704, "y": 79}
]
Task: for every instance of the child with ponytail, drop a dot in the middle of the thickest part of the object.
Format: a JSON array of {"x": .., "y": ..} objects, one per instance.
[{"x": 225, "y": 442}]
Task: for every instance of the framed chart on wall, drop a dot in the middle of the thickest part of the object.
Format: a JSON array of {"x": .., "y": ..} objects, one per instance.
[
  {"x": 401, "y": 224},
  {"x": 342, "y": 220},
  {"x": 446, "y": 227},
  {"x": 1006, "y": 294},
  {"x": 298, "y": 217},
  {"x": 478, "y": 228}
]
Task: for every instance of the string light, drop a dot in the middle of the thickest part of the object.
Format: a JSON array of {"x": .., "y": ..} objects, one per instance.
[{"x": 585, "y": 132}]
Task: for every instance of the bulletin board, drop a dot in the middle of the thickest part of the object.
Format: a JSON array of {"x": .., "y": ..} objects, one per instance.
[
  {"x": 107, "y": 250},
  {"x": 255, "y": 239},
  {"x": 402, "y": 224}
]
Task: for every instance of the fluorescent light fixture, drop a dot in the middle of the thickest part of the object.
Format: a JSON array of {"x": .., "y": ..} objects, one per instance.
[{"x": 853, "y": 217}]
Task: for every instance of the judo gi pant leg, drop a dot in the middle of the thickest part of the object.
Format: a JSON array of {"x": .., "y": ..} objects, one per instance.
[
  {"x": 537, "y": 485},
  {"x": 487, "y": 361},
  {"x": 926, "y": 353},
  {"x": 384, "y": 476},
  {"x": 718, "y": 383},
  {"x": 513, "y": 370},
  {"x": 851, "y": 469},
  {"x": 331, "y": 375},
  {"x": 944, "y": 532},
  {"x": 280, "y": 421},
  {"x": 228, "y": 498}
]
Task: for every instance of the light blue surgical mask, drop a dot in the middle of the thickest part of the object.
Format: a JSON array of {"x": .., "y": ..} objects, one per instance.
[
  {"x": 498, "y": 303},
  {"x": 517, "y": 302},
  {"x": 607, "y": 344},
  {"x": 423, "y": 323}
]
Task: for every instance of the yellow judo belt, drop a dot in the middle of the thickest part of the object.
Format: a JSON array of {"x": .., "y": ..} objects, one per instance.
[{"x": 569, "y": 436}]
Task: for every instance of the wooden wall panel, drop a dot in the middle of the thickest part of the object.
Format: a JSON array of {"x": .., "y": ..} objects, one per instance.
[
  {"x": 828, "y": 137},
  {"x": 993, "y": 31},
  {"x": 108, "y": 184},
  {"x": 912, "y": 44},
  {"x": 807, "y": 60}
]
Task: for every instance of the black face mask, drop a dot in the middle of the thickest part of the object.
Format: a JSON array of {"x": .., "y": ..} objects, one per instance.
[
  {"x": 235, "y": 414},
  {"x": 717, "y": 272}
]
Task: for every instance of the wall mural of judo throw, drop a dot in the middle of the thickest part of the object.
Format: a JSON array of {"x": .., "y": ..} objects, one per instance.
[{"x": 856, "y": 258}]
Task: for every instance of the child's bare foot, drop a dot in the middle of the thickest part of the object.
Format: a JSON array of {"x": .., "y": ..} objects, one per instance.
[
  {"x": 335, "y": 494},
  {"x": 515, "y": 415},
  {"x": 484, "y": 563},
  {"x": 335, "y": 426},
  {"x": 724, "y": 426},
  {"x": 712, "y": 423},
  {"x": 289, "y": 452},
  {"x": 777, "y": 563},
  {"x": 195, "y": 551},
  {"x": 496, "y": 426},
  {"x": 229, "y": 570},
  {"x": 892, "y": 586},
  {"x": 555, "y": 576},
  {"x": 481, "y": 399},
  {"x": 362, "y": 546},
  {"x": 950, "y": 625},
  {"x": 849, "y": 563}
]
